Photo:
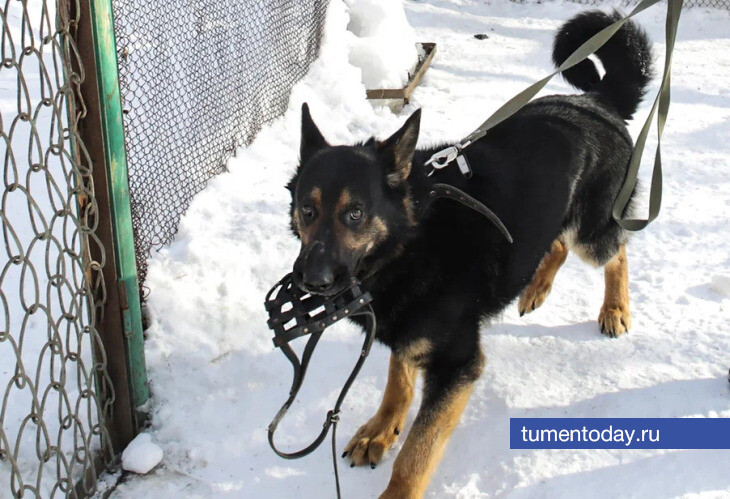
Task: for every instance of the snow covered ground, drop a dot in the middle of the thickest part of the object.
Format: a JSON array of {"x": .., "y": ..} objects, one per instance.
[{"x": 217, "y": 381}]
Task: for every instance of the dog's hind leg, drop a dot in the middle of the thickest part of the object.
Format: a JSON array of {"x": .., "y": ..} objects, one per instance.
[
  {"x": 542, "y": 282},
  {"x": 381, "y": 431},
  {"x": 445, "y": 394},
  {"x": 615, "y": 317}
]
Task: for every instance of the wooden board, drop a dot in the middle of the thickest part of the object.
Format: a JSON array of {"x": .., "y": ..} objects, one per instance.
[{"x": 405, "y": 92}]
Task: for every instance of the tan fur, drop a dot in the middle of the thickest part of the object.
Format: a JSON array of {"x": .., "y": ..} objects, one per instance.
[
  {"x": 381, "y": 431},
  {"x": 316, "y": 197},
  {"x": 410, "y": 210},
  {"x": 424, "y": 446},
  {"x": 542, "y": 282},
  {"x": 343, "y": 202},
  {"x": 417, "y": 351},
  {"x": 366, "y": 238},
  {"x": 403, "y": 157},
  {"x": 363, "y": 239},
  {"x": 402, "y": 164},
  {"x": 615, "y": 317},
  {"x": 399, "y": 175},
  {"x": 299, "y": 226},
  {"x": 570, "y": 238},
  {"x": 306, "y": 233}
]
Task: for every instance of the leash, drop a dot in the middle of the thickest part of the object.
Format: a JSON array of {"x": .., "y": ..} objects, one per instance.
[
  {"x": 305, "y": 318},
  {"x": 661, "y": 104}
]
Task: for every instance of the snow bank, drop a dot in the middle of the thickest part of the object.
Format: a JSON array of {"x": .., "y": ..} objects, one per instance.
[
  {"x": 384, "y": 44},
  {"x": 141, "y": 455}
]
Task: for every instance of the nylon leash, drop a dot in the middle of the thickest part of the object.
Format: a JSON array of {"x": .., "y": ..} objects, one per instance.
[
  {"x": 661, "y": 103},
  {"x": 674, "y": 8},
  {"x": 293, "y": 314}
]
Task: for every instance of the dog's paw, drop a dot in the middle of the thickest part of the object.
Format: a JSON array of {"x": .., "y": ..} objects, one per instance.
[
  {"x": 614, "y": 320},
  {"x": 534, "y": 295},
  {"x": 372, "y": 440}
]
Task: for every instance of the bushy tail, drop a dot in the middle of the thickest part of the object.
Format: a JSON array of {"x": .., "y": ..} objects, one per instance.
[{"x": 626, "y": 58}]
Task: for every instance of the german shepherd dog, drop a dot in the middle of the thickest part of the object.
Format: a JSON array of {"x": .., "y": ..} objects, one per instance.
[{"x": 551, "y": 172}]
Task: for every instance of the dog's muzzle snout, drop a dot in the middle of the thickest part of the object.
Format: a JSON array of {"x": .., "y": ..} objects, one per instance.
[
  {"x": 319, "y": 282},
  {"x": 316, "y": 272}
]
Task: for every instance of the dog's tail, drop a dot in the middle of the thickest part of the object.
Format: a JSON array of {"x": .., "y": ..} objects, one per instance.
[{"x": 626, "y": 57}]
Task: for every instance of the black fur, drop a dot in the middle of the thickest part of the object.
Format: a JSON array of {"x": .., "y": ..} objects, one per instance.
[
  {"x": 552, "y": 169},
  {"x": 626, "y": 57}
]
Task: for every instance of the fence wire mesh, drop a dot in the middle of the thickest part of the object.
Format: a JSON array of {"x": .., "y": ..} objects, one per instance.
[
  {"x": 199, "y": 79},
  {"x": 717, "y": 4},
  {"x": 55, "y": 392}
]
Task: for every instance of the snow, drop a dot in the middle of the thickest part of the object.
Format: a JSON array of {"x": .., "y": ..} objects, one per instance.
[
  {"x": 141, "y": 454},
  {"x": 217, "y": 381},
  {"x": 383, "y": 45},
  {"x": 721, "y": 285}
]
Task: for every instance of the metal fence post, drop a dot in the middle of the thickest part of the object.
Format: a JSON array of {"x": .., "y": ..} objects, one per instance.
[{"x": 101, "y": 129}]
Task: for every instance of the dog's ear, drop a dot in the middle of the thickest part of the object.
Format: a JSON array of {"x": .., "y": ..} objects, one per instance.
[
  {"x": 398, "y": 150},
  {"x": 312, "y": 139}
]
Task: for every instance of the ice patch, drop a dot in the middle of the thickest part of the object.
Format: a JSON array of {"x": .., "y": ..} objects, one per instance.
[
  {"x": 141, "y": 455},
  {"x": 283, "y": 472}
]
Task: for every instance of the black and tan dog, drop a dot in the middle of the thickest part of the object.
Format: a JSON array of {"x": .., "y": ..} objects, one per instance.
[{"x": 551, "y": 172}]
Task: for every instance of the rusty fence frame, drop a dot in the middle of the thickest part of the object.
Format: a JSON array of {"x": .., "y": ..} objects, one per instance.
[{"x": 120, "y": 325}]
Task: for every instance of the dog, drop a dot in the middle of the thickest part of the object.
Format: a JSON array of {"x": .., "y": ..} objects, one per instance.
[{"x": 551, "y": 172}]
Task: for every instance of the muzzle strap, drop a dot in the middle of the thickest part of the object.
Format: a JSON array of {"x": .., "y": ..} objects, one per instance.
[{"x": 292, "y": 314}]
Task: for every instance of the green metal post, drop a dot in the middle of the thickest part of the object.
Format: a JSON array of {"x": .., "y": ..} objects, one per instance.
[{"x": 116, "y": 163}]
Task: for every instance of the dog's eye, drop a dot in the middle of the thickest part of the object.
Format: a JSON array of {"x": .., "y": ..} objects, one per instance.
[
  {"x": 356, "y": 214},
  {"x": 308, "y": 211}
]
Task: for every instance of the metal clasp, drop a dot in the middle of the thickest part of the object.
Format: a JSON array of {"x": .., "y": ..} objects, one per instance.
[
  {"x": 442, "y": 158},
  {"x": 445, "y": 156}
]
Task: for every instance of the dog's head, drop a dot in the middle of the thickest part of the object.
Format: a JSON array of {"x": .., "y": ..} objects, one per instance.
[{"x": 351, "y": 206}]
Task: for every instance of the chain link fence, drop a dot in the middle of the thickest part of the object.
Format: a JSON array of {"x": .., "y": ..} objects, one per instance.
[
  {"x": 199, "y": 79},
  {"x": 718, "y": 4},
  {"x": 54, "y": 389}
]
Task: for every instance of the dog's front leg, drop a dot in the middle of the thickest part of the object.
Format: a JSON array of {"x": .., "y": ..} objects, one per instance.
[
  {"x": 445, "y": 394},
  {"x": 382, "y": 430}
]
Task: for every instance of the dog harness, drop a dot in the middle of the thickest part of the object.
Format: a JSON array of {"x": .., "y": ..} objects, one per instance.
[{"x": 450, "y": 192}]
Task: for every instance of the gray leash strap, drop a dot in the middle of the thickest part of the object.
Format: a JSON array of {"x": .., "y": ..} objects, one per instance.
[
  {"x": 661, "y": 103},
  {"x": 674, "y": 7}
]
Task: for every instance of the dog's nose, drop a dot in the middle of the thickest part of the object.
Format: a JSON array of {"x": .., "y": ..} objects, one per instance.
[{"x": 320, "y": 281}]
